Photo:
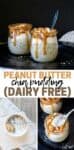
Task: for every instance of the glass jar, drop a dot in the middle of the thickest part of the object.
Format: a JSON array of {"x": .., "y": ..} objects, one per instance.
[
  {"x": 44, "y": 45},
  {"x": 19, "y": 38},
  {"x": 50, "y": 105},
  {"x": 56, "y": 134}
]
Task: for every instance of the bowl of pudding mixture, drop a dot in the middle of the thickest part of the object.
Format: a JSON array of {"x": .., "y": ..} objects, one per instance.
[
  {"x": 19, "y": 38},
  {"x": 44, "y": 45},
  {"x": 15, "y": 125}
]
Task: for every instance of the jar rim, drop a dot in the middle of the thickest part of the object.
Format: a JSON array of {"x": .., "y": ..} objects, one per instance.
[
  {"x": 49, "y": 101},
  {"x": 45, "y": 31},
  {"x": 18, "y": 26}
]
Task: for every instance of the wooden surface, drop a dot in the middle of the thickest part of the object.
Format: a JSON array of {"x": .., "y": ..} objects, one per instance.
[{"x": 28, "y": 105}]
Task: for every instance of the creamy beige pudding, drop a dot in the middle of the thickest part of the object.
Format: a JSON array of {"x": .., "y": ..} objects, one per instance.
[
  {"x": 16, "y": 125},
  {"x": 44, "y": 45},
  {"x": 19, "y": 38},
  {"x": 56, "y": 134},
  {"x": 50, "y": 105}
]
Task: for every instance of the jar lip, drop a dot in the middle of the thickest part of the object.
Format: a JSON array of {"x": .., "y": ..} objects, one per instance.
[
  {"x": 18, "y": 26},
  {"x": 49, "y": 101},
  {"x": 46, "y": 31}
]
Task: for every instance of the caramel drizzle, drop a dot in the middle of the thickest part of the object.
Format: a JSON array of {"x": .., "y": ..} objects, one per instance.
[
  {"x": 43, "y": 34},
  {"x": 49, "y": 101},
  {"x": 44, "y": 46},
  {"x": 17, "y": 29},
  {"x": 36, "y": 50}
]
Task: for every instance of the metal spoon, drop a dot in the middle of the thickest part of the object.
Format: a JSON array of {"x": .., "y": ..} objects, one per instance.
[
  {"x": 61, "y": 119},
  {"x": 55, "y": 18}
]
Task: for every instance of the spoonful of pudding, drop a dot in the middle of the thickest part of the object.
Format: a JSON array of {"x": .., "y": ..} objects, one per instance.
[{"x": 61, "y": 119}]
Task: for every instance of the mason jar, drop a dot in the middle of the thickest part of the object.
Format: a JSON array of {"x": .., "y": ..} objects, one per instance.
[
  {"x": 19, "y": 38},
  {"x": 44, "y": 45}
]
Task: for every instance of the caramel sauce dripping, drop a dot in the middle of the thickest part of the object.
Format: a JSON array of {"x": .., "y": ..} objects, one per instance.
[
  {"x": 28, "y": 41},
  {"x": 36, "y": 50},
  {"x": 43, "y": 33},
  {"x": 14, "y": 38},
  {"x": 17, "y": 29},
  {"x": 49, "y": 101},
  {"x": 44, "y": 46}
]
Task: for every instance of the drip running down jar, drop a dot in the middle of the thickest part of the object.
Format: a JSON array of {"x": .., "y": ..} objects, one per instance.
[
  {"x": 19, "y": 38},
  {"x": 44, "y": 45}
]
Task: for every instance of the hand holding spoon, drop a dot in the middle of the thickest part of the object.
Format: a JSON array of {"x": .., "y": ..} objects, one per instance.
[{"x": 61, "y": 119}]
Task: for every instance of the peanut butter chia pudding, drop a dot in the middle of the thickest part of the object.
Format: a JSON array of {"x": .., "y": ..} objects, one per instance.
[
  {"x": 50, "y": 105},
  {"x": 19, "y": 38},
  {"x": 55, "y": 134},
  {"x": 15, "y": 125},
  {"x": 44, "y": 45}
]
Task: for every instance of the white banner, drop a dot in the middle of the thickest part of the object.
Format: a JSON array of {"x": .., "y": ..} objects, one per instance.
[{"x": 38, "y": 83}]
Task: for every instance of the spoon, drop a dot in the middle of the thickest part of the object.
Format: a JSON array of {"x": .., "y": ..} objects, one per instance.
[
  {"x": 61, "y": 119},
  {"x": 55, "y": 18}
]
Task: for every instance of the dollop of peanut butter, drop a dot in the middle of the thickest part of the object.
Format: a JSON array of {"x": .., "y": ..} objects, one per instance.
[
  {"x": 19, "y": 28},
  {"x": 43, "y": 32}
]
